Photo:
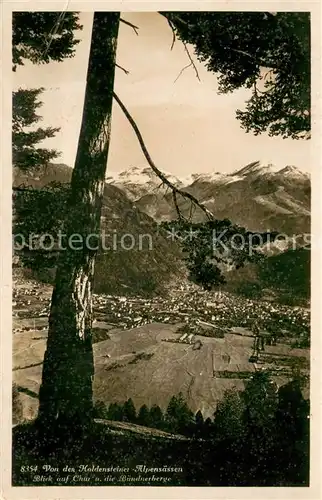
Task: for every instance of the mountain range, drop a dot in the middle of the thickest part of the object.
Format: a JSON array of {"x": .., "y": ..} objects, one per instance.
[{"x": 259, "y": 197}]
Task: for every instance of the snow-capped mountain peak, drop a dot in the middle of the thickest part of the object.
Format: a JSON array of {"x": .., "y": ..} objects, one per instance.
[
  {"x": 256, "y": 168},
  {"x": 294, "y": 172},
  {"x": 216, "y": 177},
  {"x": 140, "y": 175},
  {"x": 139, "y": 181}
]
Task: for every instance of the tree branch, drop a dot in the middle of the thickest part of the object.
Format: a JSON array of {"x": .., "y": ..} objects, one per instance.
[
  {"x": 185, "y": 67},
  {"x": 175, "y": 201},
  {"x": 54, "y": 30},
  {"x": 155, "y": 169},
  {"x": 185, "y": 48},
  {"x": 123, "y": 69},
  {"x": 188, "y": 65},
  {"x": 192, "y": 210},
  {"x": 259, "y": 61},
  {"x": 176, "y": 17},
  {"x": 258, "y": 91},
  {"x": 173, "y": 34},
  {"x": 135, "y": 28},
  {"x": 191, "y": 60},
  {"x": 255, "y": 90},
  {"x": 20, "y": 189},
  {"x": 23, "y": 189}
]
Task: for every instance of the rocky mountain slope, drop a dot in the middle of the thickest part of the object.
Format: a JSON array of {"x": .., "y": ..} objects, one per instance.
[
  {"x": 138, "y": 257},
  {"x": 258, "y": 196}
]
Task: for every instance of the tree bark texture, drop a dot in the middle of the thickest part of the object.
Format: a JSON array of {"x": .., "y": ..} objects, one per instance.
[{"x": 66, "y": 390}]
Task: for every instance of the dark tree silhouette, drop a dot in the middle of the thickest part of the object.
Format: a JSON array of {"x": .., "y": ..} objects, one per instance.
[
  {"x": 293, "y": 444},
  {"x": 228, "y": 417},
  {"x": 26, "y": 154},
  {"x": 100, "y": 410},
  {"x": 199, "y": 418},
  {"x": 156, "y": 417},
  {"x": 263, "y": 51},
  {"x": 144, "y": 416},
  {"x": 179, "y": 417},
  {"x": 115, "y": 412},
  {"x": 199, "y": 425},
  {"x": 129, "y": 412},
  {"x": 42, "y": 37}
]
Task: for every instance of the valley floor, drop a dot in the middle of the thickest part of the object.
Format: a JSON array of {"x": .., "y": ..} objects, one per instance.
[
  {"x": 196, "y": 343},
  {"x": 141, "y": 352}
]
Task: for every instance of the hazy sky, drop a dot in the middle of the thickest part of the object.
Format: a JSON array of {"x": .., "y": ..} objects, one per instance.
[{"x": 187, "y": 126}]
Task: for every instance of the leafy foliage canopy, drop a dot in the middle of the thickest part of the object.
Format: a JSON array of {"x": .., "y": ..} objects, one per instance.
[
  {"x": 263, "y": 51},
  {"x": 42, "y": 37}
]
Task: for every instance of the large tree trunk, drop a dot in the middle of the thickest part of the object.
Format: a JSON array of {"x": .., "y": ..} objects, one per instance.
[{"x": 66, "y": 391}]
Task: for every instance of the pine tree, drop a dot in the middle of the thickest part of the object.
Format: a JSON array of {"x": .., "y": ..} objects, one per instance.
[
  {"x": 100, "y": 410},
  {"x": 228, "y": 417},
  {"x": 178, "y": 416},
  {"x": 42, "y": 37},
  {"x": 199, "y": 424},
  {"x": 260, "y": 398},
  {"x": 171, "y": 414},
  {"x": 129, "y": 411},
  {"x": 199, "y": 419},
  {"x": 144, "y": 416},
  {"x": 208, "y": 428},
  {"x": 26, "y": 154},
  {"x": 36, "y": 211},
  {"x": 39, "y": 37},
  {"x": 115, "y": 412},
  {"x": 156, "y": 417},
  {"x": 293, "y": 433}
]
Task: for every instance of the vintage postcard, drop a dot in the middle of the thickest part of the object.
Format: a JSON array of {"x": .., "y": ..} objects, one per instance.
[{"x": 160, "y": 269}]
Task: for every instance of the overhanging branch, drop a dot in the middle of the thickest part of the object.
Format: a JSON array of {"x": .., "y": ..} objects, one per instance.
[
  {"x": 175, "y": 17},
  {"x": 175, "y": 201},
  {"x": 123, "y": 69},
  {"x": 258, "y": 60},
  {"x": 158, "y": 172},
  {"x": 183, "y": 69},
  {"x": 54, "y": 30},
  {"x": 173, "y": 33},
  {"x": 191, "y": 60},
  {"x": 135, "y": 28},
  {"x": 170, "y": 23}
]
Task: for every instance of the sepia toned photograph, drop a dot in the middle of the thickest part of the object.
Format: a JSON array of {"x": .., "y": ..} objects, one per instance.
[{"x": 161, "y": 235}]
